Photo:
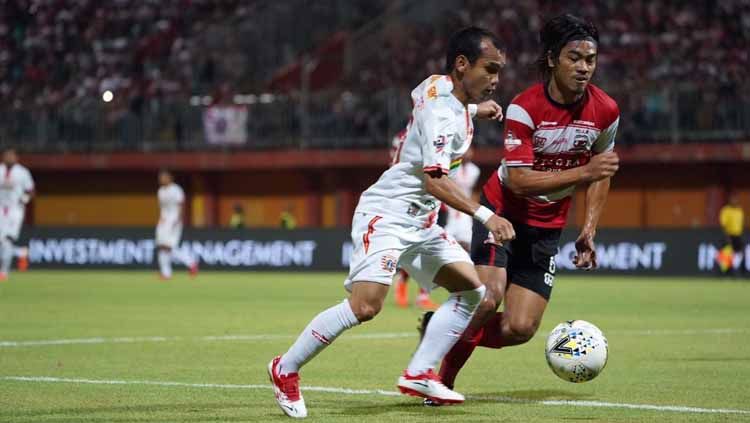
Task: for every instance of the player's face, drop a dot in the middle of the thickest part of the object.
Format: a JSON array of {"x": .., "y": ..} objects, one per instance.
[
  {"x": 165, "y": 179},
  {"x": 575, "y": 66},
  {"x": 480, "y": 79},
  {"x": 10, "y": 157}
]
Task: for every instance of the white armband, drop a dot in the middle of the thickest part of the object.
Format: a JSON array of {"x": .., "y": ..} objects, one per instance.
[{"x": 483, "y": 214}]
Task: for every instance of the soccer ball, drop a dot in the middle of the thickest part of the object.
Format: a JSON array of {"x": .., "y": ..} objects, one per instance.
[{"x": 576, "y": 351}]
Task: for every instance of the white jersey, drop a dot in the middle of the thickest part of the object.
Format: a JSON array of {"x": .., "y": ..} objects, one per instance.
[
  {"x": 435, "y": 140},
  {"x": 16, "y": 186},
  {"x": 467, "y": 176},
  {"x": 171, "y": 198}
]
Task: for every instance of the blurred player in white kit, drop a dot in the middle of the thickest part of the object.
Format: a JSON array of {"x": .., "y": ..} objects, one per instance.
[
  {"x": 16, "y": 190},
  {"x": 169, "y": 229},
  {"x": 459, "y": 224}
]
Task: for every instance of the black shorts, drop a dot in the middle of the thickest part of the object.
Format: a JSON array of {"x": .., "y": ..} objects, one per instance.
[{"x": 529, "y": 259}]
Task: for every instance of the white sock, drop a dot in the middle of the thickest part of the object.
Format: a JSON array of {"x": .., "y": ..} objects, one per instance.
[
  {"x": 446, "y": 326},
  {"x": 6, "y": 255},
  {"x": 183, "y": 256},
  {"x": 318, "y": 334},
  {"x": 165, "y": 263}
]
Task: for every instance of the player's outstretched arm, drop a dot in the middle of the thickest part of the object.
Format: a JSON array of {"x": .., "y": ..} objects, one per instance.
[
  {"x": 525, "y": 181},
  {"x": 596, "y": 198},
  {"x": 489, "y": 110},
  {"x": 446, "y": 190}
]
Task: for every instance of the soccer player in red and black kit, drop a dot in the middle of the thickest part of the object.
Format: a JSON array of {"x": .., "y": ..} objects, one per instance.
[{"x": 559, "y": 134}]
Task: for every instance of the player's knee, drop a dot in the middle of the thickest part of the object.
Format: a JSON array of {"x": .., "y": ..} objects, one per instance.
[
  {"x": 522, "y": 330},
  {"x": 486, "y": 308},
  {"x": 366, "y": 311}
]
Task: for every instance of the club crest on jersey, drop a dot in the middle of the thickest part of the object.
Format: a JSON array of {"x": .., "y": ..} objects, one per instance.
[
  {"x": 539, "y": 141},
  {"x": 388, "y": 263},
  {"x": 511, "y": 141}
]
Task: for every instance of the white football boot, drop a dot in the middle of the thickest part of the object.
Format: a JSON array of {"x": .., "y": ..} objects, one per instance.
[{"x": 286, "y": 390}]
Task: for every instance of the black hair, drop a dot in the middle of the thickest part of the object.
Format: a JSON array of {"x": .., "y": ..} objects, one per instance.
[
  {"x": 468, "y": 42},
  {"x": 559, "y": 31}
]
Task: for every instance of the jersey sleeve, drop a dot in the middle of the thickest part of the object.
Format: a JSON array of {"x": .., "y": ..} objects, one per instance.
[
  {"x": 519, "y": 131},
  {"x": 437, "y": 128},
  {"x": 28, "y": 183},
  {"x": 606, "y": 140}
]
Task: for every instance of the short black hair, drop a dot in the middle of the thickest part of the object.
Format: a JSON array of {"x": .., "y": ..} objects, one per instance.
[
  {"x": 559, "y": 31},
  {"x": 468, "y": 42}
]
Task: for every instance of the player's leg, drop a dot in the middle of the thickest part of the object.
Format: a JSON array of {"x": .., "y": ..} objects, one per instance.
[
  {"x": 6, "y": 256},
  {"x": 532, "y": 274},
  {"x": 364, "y": 304},
  {"x": 400, "y": 288},
  {"x": 519, "y": 320},
  {"x": 490, "y": 263},
  {"x": 443, "y": 262},
  {"x": 494, "y": 279},
  {"x": 164, "y": 257},
  {"x": 377, "y": 249}
]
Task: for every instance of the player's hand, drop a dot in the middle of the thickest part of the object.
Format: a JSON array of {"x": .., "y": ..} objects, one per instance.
[
  {"x": 489, "y": 110},
  {"x": 602, "y": 166},
  {"x": 585, "y": 257},
  {"x": 501, "y": 230}
]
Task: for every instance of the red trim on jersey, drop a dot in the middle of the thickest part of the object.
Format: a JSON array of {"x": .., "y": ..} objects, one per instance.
[
  {"x": 435, "y": 168},
  {"x": 430, "y": 220},
  {"x": 370, "y": 231}
]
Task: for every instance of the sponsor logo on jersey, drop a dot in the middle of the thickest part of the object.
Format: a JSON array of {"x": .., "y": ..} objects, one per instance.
[
  {"x": 547, "y": 123},
  {"x": 432, "y": 93},
  {"x": 388, "y": 262},
  {"x": 440, "y": 143},
  {"x": 511, "y": 141},
  {"x": 584, "y": 122},
  {"x": 539, "y": 141},
  {"x": 559, "y": 162}
]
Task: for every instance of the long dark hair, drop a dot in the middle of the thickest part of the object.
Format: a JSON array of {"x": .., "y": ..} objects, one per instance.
[{"x": 559, "y": 31}]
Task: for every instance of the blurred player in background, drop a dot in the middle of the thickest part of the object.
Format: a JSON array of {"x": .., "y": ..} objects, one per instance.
[
  {"x": 400, "y": 281},
  {"x": 16, "y": 190},
  {"x": 169, "y": 230},
  {"x": 558, "y": 134},
  {"x": 459, "y": 224},
  {"x": 732, "y": 221},
  {"x": 394, "y": 225}
]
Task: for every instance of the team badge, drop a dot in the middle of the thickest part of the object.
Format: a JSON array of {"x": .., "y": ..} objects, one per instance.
[
  {"x": 511, "y": 141},
  {"x": 388, "y": 263},
  {"x": 440, "y": 143}
]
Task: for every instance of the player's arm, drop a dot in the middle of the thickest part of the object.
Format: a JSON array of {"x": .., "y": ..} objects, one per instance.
[
  {"x": 446, "y": 190},
  {"x": 596, "y": 198},
  {"x": 436, "y": 132},
  {"x": 522, "y": 180}
]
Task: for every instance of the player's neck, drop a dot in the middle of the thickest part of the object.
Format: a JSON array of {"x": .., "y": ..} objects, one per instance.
[
  {"x": 458, "y": 91},
  {"x": 561, "y": 96}
]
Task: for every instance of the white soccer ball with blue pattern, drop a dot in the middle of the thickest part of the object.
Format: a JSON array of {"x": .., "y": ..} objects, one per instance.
[{"x": 576, "y": 351}]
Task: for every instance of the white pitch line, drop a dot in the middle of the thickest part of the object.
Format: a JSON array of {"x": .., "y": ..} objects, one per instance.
[
  {"x": 268, "y": 337},
  {"x": 147, "y": 339},
  {"x": 345, "y": 391}
]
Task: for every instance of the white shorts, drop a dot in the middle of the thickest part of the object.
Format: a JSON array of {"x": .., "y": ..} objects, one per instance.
[
  {"x": 459, "y": 225},
  {"x": 168, "y": 234},
  {"x": 11, "y": 220},
  {"x": 381, "y": 245}
]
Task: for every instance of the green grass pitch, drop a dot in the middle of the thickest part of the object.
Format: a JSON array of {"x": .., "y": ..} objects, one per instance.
[{"x": 125, "y": 347}]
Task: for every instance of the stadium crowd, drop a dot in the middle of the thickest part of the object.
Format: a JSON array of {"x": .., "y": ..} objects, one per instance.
[{"x": 678, "y": 69}]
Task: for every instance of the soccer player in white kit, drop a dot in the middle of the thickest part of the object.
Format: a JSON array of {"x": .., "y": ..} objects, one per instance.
[
  {"x": 169, "y": 230},
  {"x": 394, "y": 226},
  {"x": 16, "y": 190},
  {"x": 459, "y": 224}
]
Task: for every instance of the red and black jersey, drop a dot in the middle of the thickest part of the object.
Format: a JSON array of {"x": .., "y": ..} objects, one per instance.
[{"x": 549, "y": 137}]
